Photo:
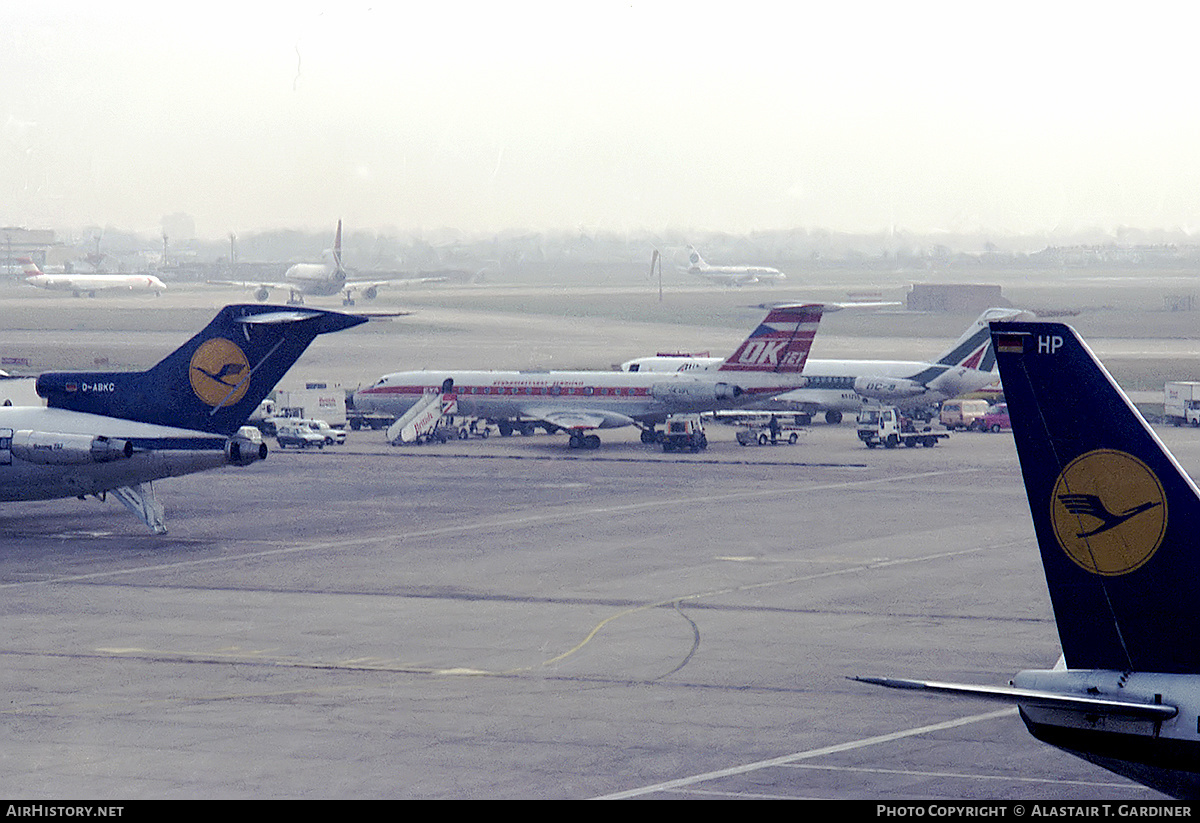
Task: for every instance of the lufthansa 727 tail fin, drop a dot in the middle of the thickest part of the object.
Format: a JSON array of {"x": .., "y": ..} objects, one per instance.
[
  {"x": 213, "y": 382},
  {"x": 1116, "y": 517},
  {"x": 781, "y": 343}
]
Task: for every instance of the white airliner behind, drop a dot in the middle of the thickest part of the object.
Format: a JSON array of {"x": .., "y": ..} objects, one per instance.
[
  {"x": 839, "y": 386},
  {"x": 89, "y": 284},
  {"x": 325, "y": 279},
  {"x": 732, "y": 275}
]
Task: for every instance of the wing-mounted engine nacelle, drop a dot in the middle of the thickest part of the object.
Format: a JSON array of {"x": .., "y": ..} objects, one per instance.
[
  {"x": 887, "y": 388},
  {"x": 56, "y": 449},
  {"x": 370, "y": 293},
  {"x": 245, "y": 447},
  {"x": 262, "y": 294},
  {"x": 690, "y": 392}
]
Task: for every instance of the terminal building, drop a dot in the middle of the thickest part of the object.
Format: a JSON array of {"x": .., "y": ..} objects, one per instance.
[
  {"x": 960, "y": 298},
  {"x": 17, "y": 243}
]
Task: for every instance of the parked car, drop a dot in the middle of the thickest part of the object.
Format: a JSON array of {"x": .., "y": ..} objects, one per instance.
[
  {"x": 995, "y": 420},
  {"x": 329, "y": 433},
  {"x": 291, "y": 432}
]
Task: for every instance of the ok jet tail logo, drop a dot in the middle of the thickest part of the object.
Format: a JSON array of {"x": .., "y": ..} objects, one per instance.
[
  {"x": 762, "y": 352},
  {"x": 219, "y": 372},
  {"x": 1109, "y": 512},
  {"x": 770, "y": 354}
]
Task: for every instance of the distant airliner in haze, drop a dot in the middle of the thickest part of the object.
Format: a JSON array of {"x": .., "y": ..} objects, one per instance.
[
  {"x": 770, "y": 361},
  {"x": 1116, "y": 519},
  {"x": 89, "y": 284},
  {"x": 732, "y": 275},
  {"x": 325, "y": 279},
  {"x": 117, "y": 432}
]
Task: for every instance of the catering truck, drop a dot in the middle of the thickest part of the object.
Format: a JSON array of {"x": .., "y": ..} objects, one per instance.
[
  {"x": 317, "y": 401},
  {"x": 1181, "y": 403}
]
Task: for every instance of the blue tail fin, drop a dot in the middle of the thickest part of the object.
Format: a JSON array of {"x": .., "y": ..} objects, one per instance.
[
  {"x": 211, "y": 383},
  {"x": 1116, "y": 517}
]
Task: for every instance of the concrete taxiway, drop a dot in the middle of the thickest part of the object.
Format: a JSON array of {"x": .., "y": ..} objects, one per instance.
[{"x": 510, "y": 619}]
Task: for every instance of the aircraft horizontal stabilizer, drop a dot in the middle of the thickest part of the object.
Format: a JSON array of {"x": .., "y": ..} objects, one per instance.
[
  {"x": 326, "y": 322},
  {"x": 1033, "y": 697}
]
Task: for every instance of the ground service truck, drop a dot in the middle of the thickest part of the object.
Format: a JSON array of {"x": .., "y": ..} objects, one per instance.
[
  {"x": 1181, "y": 403},
  {"x": 885, "y": 426},
  {"x": 316, "y": 401}
]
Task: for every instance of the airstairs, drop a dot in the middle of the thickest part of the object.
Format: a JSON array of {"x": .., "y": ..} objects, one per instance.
[{"x": 420, "y": 422}]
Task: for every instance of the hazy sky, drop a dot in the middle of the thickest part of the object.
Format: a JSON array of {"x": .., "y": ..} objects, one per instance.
[{"x": 733, "y": 116}]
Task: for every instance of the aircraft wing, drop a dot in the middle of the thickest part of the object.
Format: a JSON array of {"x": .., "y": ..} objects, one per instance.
[
  {"x": 396, "y": 282},
  {"x": 1035, "y": 697},
  {"x": 252, "y": 284},
  {"x": 566, "y": 418},
  {"x": 727, "y": 279}
]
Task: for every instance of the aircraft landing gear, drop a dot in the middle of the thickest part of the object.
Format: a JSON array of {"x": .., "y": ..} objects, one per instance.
[
  {"x": 649, "y": 436},
  {"x": 579, "y": 440}
]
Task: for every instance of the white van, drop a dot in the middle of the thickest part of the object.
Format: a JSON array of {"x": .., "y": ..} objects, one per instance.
[{"x": 961, "y": 414}]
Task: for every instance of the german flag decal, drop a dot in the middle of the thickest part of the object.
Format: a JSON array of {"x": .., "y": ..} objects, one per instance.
[{"x": 1011, "y": 343}]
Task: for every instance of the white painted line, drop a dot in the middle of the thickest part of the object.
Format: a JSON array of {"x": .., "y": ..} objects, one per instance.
[{"x": 792, "y": 758}]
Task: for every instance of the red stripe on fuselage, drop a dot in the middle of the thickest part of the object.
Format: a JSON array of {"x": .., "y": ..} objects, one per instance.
[{"x": 494, "y": 390}]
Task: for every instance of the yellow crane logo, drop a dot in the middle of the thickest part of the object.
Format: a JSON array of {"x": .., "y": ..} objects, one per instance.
[
  {"x": 1109, "y": 512},
  {"x": 219, "y": 372}
]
